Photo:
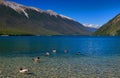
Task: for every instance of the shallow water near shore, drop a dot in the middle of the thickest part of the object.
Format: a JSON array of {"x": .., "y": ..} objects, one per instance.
[{"x": 99, "y": 57}]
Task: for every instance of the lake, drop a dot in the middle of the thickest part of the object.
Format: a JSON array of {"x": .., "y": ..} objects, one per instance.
[{"x": 99, "y": 57}]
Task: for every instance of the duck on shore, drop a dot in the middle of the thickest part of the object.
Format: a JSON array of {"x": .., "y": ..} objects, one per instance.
[
  {"x": 24, "y": 71},
  {"x": 36, "y": 59}
]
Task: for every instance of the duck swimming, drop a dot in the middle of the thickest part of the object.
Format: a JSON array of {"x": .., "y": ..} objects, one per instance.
[
  {"x": 36, "y": 59},
  {"x": 54, "y": 51},
  {"x": 24, "y": 71},
  {"x": 47, "y": 54}
]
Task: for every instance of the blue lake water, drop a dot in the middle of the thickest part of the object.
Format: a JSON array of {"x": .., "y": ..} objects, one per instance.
[
  {"x": 99, "y": 56},
  {"x": 89, "y": 46}
]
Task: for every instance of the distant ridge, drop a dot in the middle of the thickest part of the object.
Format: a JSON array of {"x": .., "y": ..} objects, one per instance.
[{"x": 17, "y": 19}]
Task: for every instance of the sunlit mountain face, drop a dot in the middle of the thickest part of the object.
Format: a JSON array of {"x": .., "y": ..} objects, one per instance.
[
  {"x": 111, "y": 28},
  {"x": 17, "y": 19}
]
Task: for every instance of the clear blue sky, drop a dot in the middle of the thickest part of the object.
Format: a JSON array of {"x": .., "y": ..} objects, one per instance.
[{"x": 84, "y": 11}]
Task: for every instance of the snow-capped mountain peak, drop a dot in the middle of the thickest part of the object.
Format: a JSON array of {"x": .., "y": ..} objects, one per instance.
[{"x": 92, "y": 25}]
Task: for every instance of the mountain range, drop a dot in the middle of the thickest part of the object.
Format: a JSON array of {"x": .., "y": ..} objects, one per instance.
[
  {"x": 91, "y": 27},
  {"x": 17, "y": 19},
  {"x": 111, "y": 28}
]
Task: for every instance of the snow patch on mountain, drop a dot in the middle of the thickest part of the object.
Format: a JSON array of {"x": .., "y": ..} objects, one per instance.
[
  {"x": 26, "y": 14},
  {"x": 66, "y": 17},
  {"x": 16, "y": 7},
  {"x": 36, "y": 9},
  {"x": 52, "y": 13}
]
